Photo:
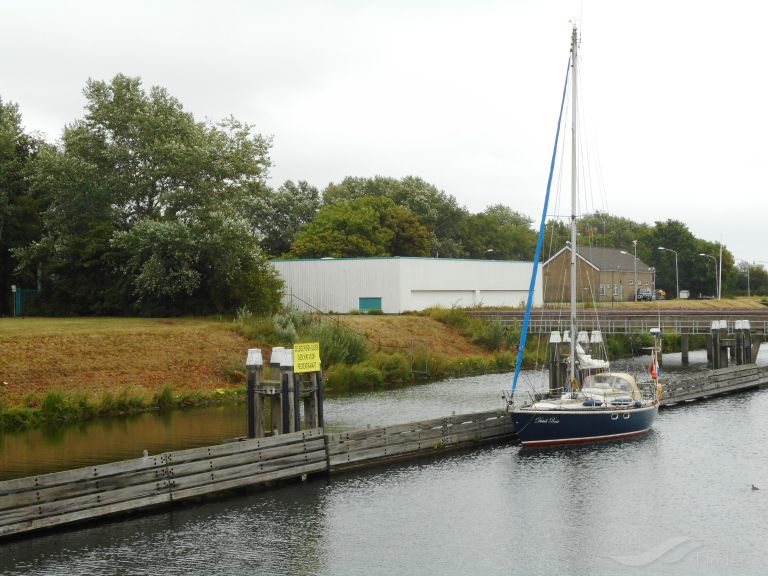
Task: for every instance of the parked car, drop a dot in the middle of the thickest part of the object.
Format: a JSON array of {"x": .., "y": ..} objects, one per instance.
[
  {"x": 661, "y": 294},
  {"x": 644, "y": 294}
]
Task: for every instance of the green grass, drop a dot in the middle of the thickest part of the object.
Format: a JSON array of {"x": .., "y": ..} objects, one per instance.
[{"x": 57, "y": 407}]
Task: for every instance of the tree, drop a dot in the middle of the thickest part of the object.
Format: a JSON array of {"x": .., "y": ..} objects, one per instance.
[
  {"x": 366, "y": 226},
  {"x": 20, "y": 209},
  {"x": 280, "y": 215},
  {"x": 138, "y": 169},
  {"x": 501, "y": 233},
  {"x": 436, "y": 210}
]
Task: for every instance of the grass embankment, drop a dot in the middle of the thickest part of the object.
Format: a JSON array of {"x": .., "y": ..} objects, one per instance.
[
  {"x": 370, "y": 352},
  {"x": 737, "y": 303},
  {"x": 58, "y": 369}
]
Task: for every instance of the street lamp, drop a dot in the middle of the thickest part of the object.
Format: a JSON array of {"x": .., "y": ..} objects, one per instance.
[
  {"x": 677, "y": 276},
  {"x": 717, "y": 283},
  {"x": 652, "y": 270},
  {"x": 634, "y": 243}
]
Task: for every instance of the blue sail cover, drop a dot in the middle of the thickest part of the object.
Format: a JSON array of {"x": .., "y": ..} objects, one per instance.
[{"x": 540, "y": 241}]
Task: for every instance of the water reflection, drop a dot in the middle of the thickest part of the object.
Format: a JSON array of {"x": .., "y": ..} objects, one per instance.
[{"x": 677, "y": 501}]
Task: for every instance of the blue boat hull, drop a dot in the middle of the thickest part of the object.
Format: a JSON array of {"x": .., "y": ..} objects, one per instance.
[{"x": 551, "y": 427}]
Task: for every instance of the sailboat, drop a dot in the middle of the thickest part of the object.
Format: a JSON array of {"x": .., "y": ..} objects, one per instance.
[{"x": 594, "y": 403}]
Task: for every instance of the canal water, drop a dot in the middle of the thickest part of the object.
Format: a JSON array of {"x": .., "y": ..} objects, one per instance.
[{"x": 677, "y": 501}]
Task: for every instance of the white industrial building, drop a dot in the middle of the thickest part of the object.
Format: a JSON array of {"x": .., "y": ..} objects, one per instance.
[{"x": 400, "y": 284}]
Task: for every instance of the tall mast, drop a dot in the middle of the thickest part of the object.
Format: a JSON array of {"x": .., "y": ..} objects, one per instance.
[{"x": 574, "y": 183}]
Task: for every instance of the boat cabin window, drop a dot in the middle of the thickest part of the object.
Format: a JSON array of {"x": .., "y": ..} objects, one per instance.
[{"x": 614, "y": 381}]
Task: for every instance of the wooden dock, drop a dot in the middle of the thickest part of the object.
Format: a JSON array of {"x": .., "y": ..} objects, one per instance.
[
  {"x": 64, "y": 498},
  {"x": 38, "y": 502},
  {"x": 367, "y": 447},
  {"x": 714, "y": 383}
]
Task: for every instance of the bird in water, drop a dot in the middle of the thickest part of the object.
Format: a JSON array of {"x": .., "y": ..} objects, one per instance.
[{"x": 755, "y": 487}]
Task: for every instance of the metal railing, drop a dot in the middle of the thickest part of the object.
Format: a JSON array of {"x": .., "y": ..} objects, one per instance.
[{"x": 633, "y": 325}]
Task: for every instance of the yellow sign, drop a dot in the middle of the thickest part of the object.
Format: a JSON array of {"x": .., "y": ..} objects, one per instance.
[{"x": 306, "y": 357}]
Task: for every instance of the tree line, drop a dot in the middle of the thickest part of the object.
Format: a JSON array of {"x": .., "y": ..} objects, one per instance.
[{"x": 139, "y": 208}]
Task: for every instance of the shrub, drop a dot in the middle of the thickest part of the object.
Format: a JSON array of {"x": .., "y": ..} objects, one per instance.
[
  {"x": 338, "y": 344},
  {"x": 234, "y": 370},
  {"x": 342, "y": 378},
  {"x": 164, "y": 399},
  {"x": 257, "y": 328},
  {"x": 504, "y": 360},
  {"x": 490, "y": 335},
  {"x": 394, "y": 367},
  {"x": 428, "y": 366},
  {"x": 54, "y": 406}
]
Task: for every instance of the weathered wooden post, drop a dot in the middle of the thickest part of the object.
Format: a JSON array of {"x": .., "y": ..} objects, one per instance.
[
  {"x": 715, "y": 339},
  {"x": 719, "y": 333},
  {"x": 738, "y": 349},
  {"x": 274, "y": 362},
  {"x": 320, "y": 399},
  {"x": 724, "y": 348},
  {"x": 276, "y": 404},
  {"x": 747, "y": 328},
  {"x": 309, "y": 393},
  {"x": 254, "y": 365},
  {"x": 684, "y": 349},
  {"x": 286, "y": 369}
]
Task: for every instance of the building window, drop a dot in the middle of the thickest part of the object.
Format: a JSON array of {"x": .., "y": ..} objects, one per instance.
[
  {"x": 615, "y": 289},
  {"x": 631, "y": 282},
  {"x": 602, "y": 289}
]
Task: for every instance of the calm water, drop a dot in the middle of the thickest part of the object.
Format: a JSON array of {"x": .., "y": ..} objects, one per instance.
[{"x": 678, "y": 501}]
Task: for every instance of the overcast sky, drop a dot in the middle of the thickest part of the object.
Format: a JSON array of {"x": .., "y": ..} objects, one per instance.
[{"x": 462, "y": 93}]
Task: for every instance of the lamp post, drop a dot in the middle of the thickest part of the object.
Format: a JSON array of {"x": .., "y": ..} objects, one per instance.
[
  {"x": 652, "y": 270},
  {"x": 634, "y": 243},
  {"x": 717, "y": 283},
  {"x": 677, "y": 276}
]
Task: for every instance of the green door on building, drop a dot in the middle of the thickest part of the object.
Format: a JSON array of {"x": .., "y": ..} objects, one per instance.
[{"x": 367, "y": 304}]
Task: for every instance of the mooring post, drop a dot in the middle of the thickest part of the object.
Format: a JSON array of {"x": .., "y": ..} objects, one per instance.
[
  {"x": 657, "y": 344},
  {"x": 684, "y": 349},
  {"x": 723, "y": 346},
  {"x": 310, "y": 401},
  {"x": 296, "y": 402},
  {"x": 320, "y": 399},
  {"x": 274, "y": 362},
  {"x": 747, "y": 327},
  {"x": 286, "y": 367},
  {"x": 738, "y": 338},
  {"x": 253, "y": 363},
  {"x": 554, "y": 361},
  {"x": 715, "y": 339}
]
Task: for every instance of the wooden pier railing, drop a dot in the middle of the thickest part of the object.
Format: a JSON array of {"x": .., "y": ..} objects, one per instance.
[
  {"x": 49, "y": 500},
  {"x": 365, "y": 447},
  {"x": 714, "y": 383}
]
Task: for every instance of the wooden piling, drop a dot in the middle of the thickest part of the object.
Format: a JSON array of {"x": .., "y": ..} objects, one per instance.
[{"x": 684, "y": 349}]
